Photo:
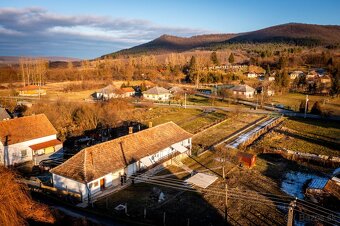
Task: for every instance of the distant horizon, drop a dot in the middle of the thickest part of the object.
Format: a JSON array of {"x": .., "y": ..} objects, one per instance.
[{"x": 89, "y": 30}]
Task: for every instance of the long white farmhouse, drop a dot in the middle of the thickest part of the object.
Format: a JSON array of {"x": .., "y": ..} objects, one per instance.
[
  {"x": 101, "y": 166},
  {"x": 157, "y": 94},
  {"x": 29, "y": 138}
]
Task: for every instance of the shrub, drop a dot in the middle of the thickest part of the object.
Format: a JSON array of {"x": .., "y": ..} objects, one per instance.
[{"x": 316, "y": 109}]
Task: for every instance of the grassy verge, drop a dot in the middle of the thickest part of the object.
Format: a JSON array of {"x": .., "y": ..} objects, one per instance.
[{"x": 293, "y": 101}]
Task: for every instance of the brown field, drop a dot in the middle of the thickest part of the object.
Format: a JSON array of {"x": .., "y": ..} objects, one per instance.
[
  {"x": 212, "y": 135},
  {"x": 304, "y": 135}
]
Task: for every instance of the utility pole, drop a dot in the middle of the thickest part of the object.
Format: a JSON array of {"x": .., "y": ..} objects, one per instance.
[
  {"x": 164, "y": 218},
  {"x": 226, "y": 203},
  {"x": 290, "y": 221},
  {"x": 185, "y": 100},
  {"x": 306, "y": 105},
  {"x": 262, "y": 92}
]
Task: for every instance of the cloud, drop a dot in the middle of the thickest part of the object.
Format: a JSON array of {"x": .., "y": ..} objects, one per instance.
[{"x": 32, "y": 30}]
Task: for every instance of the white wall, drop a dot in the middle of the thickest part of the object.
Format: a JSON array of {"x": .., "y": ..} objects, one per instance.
[
  {"x": 64, "y": 183},
  {"x": 157, "y": 97},
  {"x": 14, "y": 150},
  {"x": 165, "y": 153}
]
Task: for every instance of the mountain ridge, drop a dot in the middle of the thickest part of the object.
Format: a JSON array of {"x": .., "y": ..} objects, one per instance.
[{"x": 296, "y": 33}]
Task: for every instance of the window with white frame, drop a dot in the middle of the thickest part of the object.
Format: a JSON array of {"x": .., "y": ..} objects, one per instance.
[
  {"x": 95, "y": 184},
  {"x": 24, "y": 153}
]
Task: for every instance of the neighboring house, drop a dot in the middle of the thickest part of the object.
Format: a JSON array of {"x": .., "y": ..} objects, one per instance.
[
  {"x": 157, "y": 93},
  {"x": 111, "y": 91},
  {"x": 102, "y": 166},
  {"x": 252, "y": 75},
  {"x": 32, "y": 90},
  {"x": 326, "y": 79},
  {"x": 105, "y": 93},
  {"x": 268, "y": 91},
  {"x": 176, "y": 90},
  {"x": 296, "y": 74},
  {"x": 4, "y": 114},
  {"x": 29, "y": 138},
  {"x": 312, "y": 74},
  {"x": 127, "y": 92},
  {"x": 243, "y": 90},
  {"x": 271, "y": 78}
]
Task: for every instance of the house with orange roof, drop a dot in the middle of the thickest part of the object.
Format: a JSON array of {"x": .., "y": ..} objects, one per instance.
[
  {"x": 32, "y": 90},
  {"x": 29, "y": 138}
]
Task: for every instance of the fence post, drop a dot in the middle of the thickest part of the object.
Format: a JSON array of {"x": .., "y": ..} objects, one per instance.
[{"x": 164, "y": 218}]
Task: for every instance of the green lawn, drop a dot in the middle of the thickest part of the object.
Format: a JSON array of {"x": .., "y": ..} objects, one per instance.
[
  {"x": 199, "y": 100},
  {"x": 305, "y": 135},
  {"x": 293, "y": 101},
  {"x": 191, "y": 120}
]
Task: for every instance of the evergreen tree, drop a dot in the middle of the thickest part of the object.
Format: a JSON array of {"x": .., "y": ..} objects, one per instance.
[
  {"x": 303, "y": 106},
  {"x": 316, "y": 109},
  {"x": 214, "y": 59},
  {"x": 282, "y": 62},
  {"x": 143, "y": 87},
  {"x": 231, "y": 58},
  {"x": 192, "y": 64},
  {"x": 335, "y": 87},
  {"x": 268, "y": 69},
  {"x": 285, "y": 79}
]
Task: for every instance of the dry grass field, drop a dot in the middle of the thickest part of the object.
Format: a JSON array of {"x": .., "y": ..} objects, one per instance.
[
  {"x": 212, "y": 135},
  {"x": 191, "y": 120}
]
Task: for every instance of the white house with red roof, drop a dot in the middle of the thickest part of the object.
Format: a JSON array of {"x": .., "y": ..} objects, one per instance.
[{"x": 29, "y": 138}]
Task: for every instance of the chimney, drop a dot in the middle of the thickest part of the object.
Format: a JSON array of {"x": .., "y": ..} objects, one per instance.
[
  {"x": 130, "y": 129},
  {"x": 150, "y": 124}
]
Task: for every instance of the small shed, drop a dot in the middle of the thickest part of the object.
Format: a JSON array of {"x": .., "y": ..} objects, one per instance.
[{"x": 246, "y": 159}]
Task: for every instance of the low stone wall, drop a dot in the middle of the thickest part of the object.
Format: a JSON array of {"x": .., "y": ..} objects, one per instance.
[{"x": 307, "y": 157}]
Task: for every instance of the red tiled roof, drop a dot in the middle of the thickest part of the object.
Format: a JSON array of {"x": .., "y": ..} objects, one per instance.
[
  {"x": 101, "y": 159},
  {"x": 25, "y": 128},
  {"x": 31, "y": 87},
  {"x": 46, "y": 144}
]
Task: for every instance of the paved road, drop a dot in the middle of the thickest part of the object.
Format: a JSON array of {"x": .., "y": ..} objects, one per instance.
[{"x": 275, "y": 109}]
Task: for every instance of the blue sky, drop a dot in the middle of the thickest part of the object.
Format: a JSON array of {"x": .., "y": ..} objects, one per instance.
[{"x": 87, "y": 29}]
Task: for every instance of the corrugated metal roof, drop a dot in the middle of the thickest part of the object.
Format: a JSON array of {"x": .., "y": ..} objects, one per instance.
[{"x": 319, "y": 183}]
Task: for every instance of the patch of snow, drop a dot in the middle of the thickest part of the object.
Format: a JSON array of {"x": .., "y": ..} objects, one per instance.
[{"x": 294, "y": 181}]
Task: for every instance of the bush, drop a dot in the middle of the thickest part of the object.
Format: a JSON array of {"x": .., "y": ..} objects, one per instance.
[{"x": 316, "y": 109}]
